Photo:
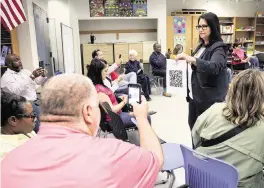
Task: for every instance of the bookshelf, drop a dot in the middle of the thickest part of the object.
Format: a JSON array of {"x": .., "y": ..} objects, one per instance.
[
  {"x": 259, "y": 34},
  {"x": 227, "y": 33},
  {"x": 245, "y": 31},
  {"x": 227, "y": 29},
  {"x": 10, "y": 43}
]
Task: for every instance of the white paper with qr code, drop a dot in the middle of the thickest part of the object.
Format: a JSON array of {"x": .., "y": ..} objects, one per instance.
[{"x": 177, "y": 77}]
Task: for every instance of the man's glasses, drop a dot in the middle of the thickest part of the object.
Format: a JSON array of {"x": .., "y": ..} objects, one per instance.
[
  {"x": 32, "y": 116},
  {"x": 203, "y": 27}
]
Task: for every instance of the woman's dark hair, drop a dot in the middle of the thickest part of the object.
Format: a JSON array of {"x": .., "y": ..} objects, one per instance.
[
  {"x": 11, "y": 105},
  {"x": 213, "y": 22},
  {"x": 235, "y": 45},
  {"x": 95, "y": 71}
]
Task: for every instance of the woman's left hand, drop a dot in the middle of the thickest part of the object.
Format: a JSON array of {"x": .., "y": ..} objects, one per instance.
[{"x": 183, "y": 56}]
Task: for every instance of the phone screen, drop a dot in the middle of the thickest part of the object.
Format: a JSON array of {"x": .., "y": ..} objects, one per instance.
[
  {"x": 133, "y": 94},
  {"x": 41, "y": 64}
]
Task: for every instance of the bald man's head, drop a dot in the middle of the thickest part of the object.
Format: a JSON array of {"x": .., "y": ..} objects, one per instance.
[
  {"x": 66, "y": 94},
  {"x": 13, "y": 62}
]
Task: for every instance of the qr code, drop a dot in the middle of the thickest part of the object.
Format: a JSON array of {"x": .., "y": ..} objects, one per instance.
[{"x": 175, "y": 78}]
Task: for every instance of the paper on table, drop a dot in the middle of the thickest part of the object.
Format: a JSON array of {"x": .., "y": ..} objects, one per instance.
[{"x": 177, "y": 77}]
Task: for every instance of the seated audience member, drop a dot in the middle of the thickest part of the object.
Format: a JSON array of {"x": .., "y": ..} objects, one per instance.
[
  {"x": 126, "y": 78},
  {"x": 113, "y": 85},
  {"x": 22, "y": 82},
  {"x": 253, "y": 60},
  {"x": 239, "y": 58},
  {"x": 168, "y": 54},
  {"x": 133, "y": 65},
  {"x": 244, "y": 107},
  {"x": 17, "y": 122},
  {"x": 66, "y": 153},
  {"x": 158, "y": 63},
  {"x": 97, "y": 73},
  {"x": 177, "y": 50}
]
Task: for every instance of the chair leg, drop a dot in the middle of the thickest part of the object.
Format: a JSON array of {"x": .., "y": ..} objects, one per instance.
[
  {"x": 172, "y": 179},
  {"x": 160, "y": 80},
  {"x": 164, "y": 181}
]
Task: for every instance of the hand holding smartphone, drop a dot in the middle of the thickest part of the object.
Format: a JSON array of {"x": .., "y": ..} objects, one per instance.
[{"x": 134, "y": 95}]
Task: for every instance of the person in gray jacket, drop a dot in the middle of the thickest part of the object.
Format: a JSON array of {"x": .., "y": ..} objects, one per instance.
[{"x": 209, "y": 81}]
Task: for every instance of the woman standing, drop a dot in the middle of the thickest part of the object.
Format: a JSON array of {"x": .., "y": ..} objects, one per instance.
[{"x": 209, "y": 80}]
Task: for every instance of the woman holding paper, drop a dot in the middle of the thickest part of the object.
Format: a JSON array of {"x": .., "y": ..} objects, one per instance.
[{"x": 209, "y": 82}]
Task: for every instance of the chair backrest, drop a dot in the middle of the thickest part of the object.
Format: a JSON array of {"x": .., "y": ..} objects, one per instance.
[
  {"x": 116, "y": 123},
  {"x": 104, "y": 125},
  {"x": 206, "y": 172}
]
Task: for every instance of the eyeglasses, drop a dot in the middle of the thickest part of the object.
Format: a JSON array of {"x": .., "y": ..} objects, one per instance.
[
  {"x": 203, "y": 27},
  {"x": 32, "y": 116}
]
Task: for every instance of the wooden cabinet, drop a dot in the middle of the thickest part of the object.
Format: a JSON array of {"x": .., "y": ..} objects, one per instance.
[
  {"x": 138, "y": 47},
  {"x": 121, "y": 48},
  {"x": 147, "y": 50},
  {"x": 112, "y": 51},
  {"x": 87, "y": 50}
]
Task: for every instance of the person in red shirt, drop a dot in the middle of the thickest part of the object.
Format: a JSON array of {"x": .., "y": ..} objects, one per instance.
[
  {"x": 239, "y": 58},
  {"x": 66, "y": 152}
]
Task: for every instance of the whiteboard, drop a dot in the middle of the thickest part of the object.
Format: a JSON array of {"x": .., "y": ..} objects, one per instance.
[{"x": 67, "y": 48}]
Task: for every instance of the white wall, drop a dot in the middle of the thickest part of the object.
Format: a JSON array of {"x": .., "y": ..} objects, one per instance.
[
  {"x": 57, "y": 9},
  {"x": 59, "y": 12},
  {"x": 79, "y": 10},
  {"x": 119, "y": 24},
  {"x": 220, "y": 7},
  {"x": 27, "y": 37}
]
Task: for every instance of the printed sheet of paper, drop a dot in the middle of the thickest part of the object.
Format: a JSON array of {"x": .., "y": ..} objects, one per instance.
[{"x": 177, "y": 77}]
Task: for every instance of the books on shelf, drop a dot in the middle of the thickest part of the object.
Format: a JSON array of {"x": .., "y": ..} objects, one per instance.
[
  {"x": 227, "y": 38},
  {"x": 226, "y": 29},
  {"x": 246, "y": 28}
]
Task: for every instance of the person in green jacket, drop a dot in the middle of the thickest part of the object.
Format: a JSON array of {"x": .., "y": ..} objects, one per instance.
[{"x": 244, "y": 106}]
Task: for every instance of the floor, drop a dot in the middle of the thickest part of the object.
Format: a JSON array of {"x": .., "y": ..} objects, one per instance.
[{"x": 171, "y": 125}]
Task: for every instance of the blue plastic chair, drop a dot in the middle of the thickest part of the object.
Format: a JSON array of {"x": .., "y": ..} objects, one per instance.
[
  {"x": 205, "y": 172},
  {"x": 173, "y": 159}
]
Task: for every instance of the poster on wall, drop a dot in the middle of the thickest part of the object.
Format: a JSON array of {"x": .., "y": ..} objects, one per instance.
[
  {"x": 177, "y": 77},
  {"x": 140, "y": 8},
  {"x": 111, "y": 8},
  {"x": 4, "y": 52},
  {"x": 118, "y": 8},
  {"x": 126, "y": 8},
  {"x": 180, "y": 40},
  {"x": 96, "y": 8},
  {"x": 179, "y": 25}
]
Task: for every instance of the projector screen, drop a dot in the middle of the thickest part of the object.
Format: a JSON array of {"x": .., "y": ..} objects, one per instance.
[{"x": 67, "y": 48}]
